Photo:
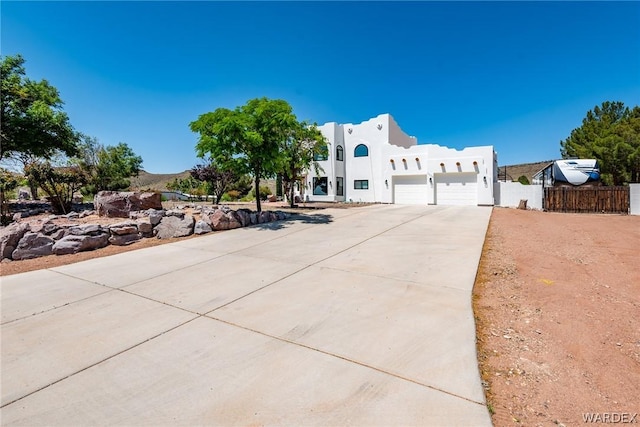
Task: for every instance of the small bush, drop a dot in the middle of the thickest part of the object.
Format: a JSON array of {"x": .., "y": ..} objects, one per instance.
[
  {"x": 523, "y": 180},
  {"x": 265, "y": 192},
  {"x": 230, "y": 196}
]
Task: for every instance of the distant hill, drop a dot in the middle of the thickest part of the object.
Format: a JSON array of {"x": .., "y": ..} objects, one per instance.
[
  {"x": 513, "y": 172},
  {"x": 155, "y": 181},
  {"x": 159, "y": 181}
]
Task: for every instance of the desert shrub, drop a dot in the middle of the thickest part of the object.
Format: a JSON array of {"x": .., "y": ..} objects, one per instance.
[
  {"x": 265, "y": 191},
  {"x": 230, "y": 196}
]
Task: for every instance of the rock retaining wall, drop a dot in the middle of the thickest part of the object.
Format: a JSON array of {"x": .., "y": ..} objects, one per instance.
[{"x": 18, "y": 241}]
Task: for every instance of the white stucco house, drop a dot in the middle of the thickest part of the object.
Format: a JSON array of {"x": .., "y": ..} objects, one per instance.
[{"x": 375, "y": 161}]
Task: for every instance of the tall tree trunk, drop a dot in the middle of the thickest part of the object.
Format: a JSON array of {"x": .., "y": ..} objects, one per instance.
[
  {"x": 292, "y": 190},
  {"x": 279, "y": 186},
  {"x": 33, "y": 187},
  {"x": 257, "y": 184},
  {"x": 4, "y": 209}
]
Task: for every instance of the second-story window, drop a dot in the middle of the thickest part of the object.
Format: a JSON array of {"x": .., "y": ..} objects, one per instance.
[{"x": 361, "y": 151}]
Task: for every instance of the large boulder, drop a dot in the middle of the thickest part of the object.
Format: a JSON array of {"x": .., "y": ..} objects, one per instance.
[
  {"x": 155, "y": 216},
  {"x": 264, "y": 217},
  {"x": 221, "y": 220},
  {"x": 23, "y": 194},
  {"x": 33, "y": 245},
  {"x": 72, "y": 244},
  {"x": 122, "y": 228},
  {"x": 58, "y": 234},
  {"x": 87, "y": 230},
  {"x": 49, "y": 228},
  {"x": 124, "y": 233},
  {"x": 121, "y": 203},
  {"x": 244, "y": 216},
  {"x": 175, "y": 212},
  {"x": 202, "y": 227},
  {"x": 124, "y": 239},
  {"x": 145, "y": 227},
  {"x": 173, "y": 226},
  {"x": 10, "y": 236}
]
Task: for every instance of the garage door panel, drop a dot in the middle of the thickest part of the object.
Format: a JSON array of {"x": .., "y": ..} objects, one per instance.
[
  {"x": 410, "y": 190},
  {"x": 456, "y": 189}
]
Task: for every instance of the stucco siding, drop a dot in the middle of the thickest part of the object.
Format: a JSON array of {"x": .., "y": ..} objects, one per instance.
[
  {"x": 509, "y": 194},
  {"x": 391, "y": 155}
]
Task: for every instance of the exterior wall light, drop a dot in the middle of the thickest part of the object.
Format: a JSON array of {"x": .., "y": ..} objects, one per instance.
[
  {"x": 430, "y": 180},
  {"x": 379, "y": 126},
  {"x": 349, "y": 130},
  {"x": 386, "y": 182},
  {"x": 484, "y": 178}
]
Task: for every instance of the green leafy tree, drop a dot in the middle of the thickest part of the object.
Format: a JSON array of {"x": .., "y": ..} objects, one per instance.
[
  {"x": 609, "y": 133},
  {"x": 33, "y": 121},
  {"x": 522, "y": 179},
  {"x": 8, "y": 182},
  {"x": 304, "y": 144},
  {"x": 246, "y": 139},
  {"x": 242, "y": 186},
  {"x": 116, "y": 164},
  {"x": 59, "y": 183},
  {"x": 107, "y": 168}
]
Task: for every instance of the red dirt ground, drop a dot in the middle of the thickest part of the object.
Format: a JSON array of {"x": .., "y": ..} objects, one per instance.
[{"x": 557, "y": 305}]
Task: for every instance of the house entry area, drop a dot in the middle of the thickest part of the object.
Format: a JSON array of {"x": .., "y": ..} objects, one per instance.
[
  {"x": 410, "y": 190},
  {"x": 456, "y": 188}
]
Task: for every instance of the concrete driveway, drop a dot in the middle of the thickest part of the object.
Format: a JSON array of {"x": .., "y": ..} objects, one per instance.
[{"x": 341, "y": 317}]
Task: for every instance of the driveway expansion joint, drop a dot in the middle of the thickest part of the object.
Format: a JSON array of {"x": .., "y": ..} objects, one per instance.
[{"x": 346, "y": 359}]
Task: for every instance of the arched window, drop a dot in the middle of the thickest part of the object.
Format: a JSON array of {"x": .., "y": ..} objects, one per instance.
[
  {"x": 361, "y": 151},
  {"x": 339, "y": 153}
]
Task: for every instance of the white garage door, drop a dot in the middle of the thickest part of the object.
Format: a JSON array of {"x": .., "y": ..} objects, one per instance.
[
  {"x": 410, "y": 190},
  {"x": 456, "y": 188}
]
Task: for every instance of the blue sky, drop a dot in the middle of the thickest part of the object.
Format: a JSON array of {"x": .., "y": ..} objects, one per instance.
[{"x": 516, "y": 75}]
